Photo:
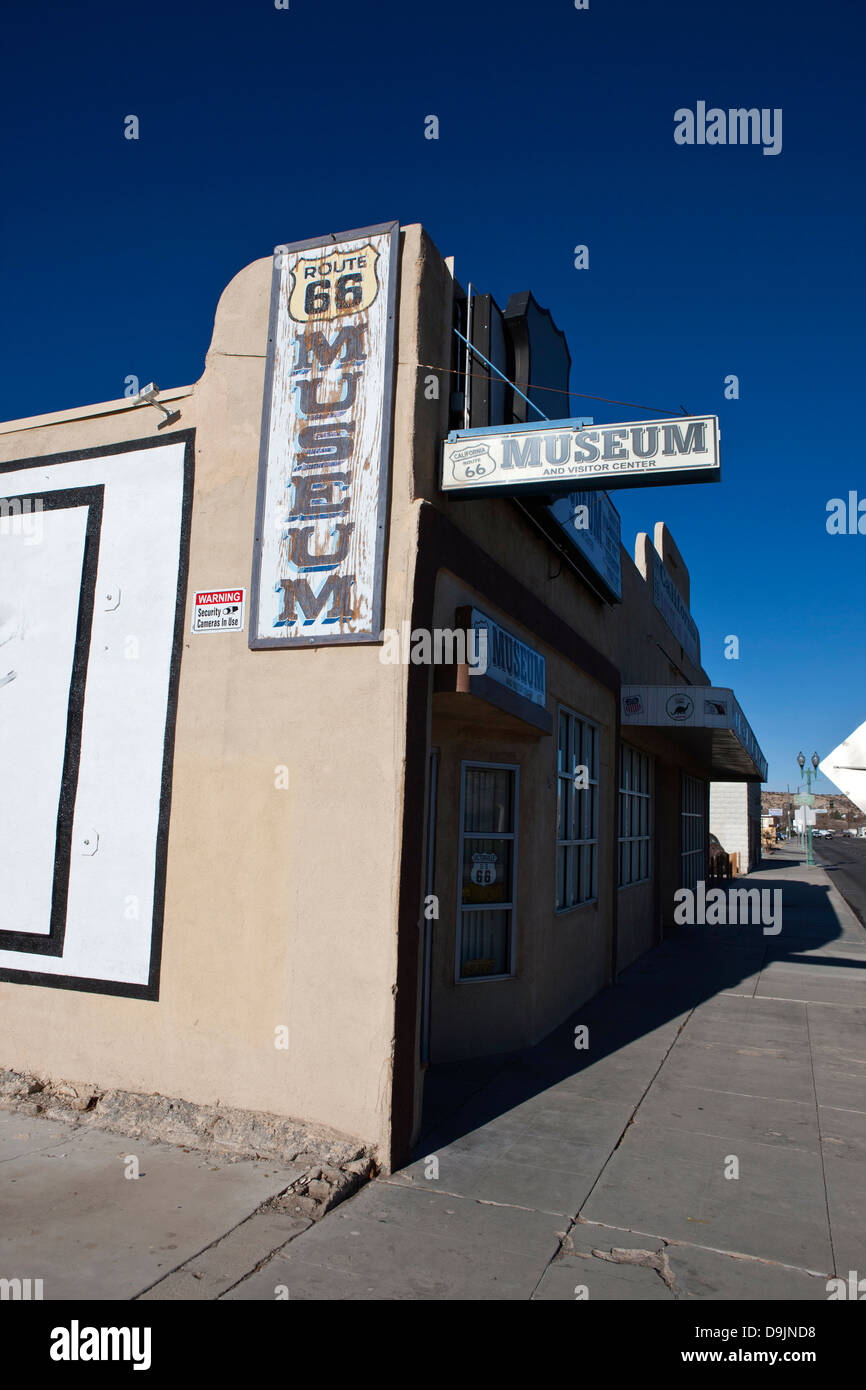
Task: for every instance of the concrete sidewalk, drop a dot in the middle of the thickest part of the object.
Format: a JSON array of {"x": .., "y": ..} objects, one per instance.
[
  {"x": 722, "y": 1043},
  {"x": 70, "y": 1215},
  {"x": 543, "y": 1173}
]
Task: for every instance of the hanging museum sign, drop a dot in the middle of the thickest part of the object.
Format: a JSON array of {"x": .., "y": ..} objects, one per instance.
[
  {"x": 591, "y": 522},
  {"x": 675, "y": 611},
  {"x": 558, "y": 455},
  {"x": 319, "y": 553},
  {"x": 511, "y": 662}
]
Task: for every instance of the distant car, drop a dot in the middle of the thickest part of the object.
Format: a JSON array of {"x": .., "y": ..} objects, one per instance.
[{"x": 852, "y": 833}]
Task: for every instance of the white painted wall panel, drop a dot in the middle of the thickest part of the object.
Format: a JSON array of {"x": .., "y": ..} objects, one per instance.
[
  {"x": 109, "y": 919},
  {"x": 40, "y": 580},
  {"x": 729, "y": 820}
]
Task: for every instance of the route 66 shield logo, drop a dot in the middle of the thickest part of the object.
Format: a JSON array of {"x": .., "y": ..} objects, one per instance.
[
  {"x": 483, "y": 871},
  {"x": 330, "y": 283},
  {"x": 470, "y": 462}
]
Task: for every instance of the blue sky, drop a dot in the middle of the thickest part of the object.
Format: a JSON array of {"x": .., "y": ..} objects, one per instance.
[{"x": 260, "y": 126}]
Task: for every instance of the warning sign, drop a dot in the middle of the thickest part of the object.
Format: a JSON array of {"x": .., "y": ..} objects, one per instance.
[{"x": 218, "y": 610}]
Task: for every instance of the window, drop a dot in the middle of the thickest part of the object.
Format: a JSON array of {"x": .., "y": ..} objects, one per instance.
[
  {"x": 576, "y": 812},
  {"x": 488, "y": 871},
  {"x": 692, "y": 831},
  {"x": 635, "y": 801}
]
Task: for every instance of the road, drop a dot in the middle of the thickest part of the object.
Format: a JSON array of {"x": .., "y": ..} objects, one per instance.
[{"x": 844, "y": 861}]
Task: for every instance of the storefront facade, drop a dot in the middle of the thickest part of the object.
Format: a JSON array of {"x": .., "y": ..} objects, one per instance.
[{"x": 290, "y": 872}]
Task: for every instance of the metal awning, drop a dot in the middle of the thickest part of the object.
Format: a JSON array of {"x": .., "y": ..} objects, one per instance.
[{"x": 705, "y": 719}]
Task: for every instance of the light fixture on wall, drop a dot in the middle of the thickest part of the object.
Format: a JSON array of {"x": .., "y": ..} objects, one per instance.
[{"x": 148, "y": 396}]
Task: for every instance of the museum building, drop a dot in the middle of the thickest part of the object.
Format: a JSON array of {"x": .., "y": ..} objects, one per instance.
[{"x": 280, "y": 830}]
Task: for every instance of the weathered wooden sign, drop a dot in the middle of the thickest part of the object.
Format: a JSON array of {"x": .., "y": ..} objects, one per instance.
[
  {"x": 319, "y": 553},
  {"x": 558, "y": 455}
]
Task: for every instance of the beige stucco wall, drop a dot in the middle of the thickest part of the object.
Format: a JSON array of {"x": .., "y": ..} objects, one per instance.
[
  {"x": 280, "y": 905},
  {"x": 636, "y": 920}
]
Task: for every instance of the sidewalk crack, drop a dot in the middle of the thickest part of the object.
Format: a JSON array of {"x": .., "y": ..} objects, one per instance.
[
  {"x": 566, "y": 1236},
  {"x": 820, "y": 1143}
]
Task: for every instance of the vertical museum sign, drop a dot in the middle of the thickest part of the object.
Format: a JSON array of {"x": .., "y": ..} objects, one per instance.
[{"x": 321, "y": 514}]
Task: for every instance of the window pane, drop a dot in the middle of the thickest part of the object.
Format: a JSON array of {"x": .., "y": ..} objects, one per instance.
[
  {"x": 562, "y": 756},
  {"x": 635, "y": 816},
  {"x": 560, "y": 877},
  {"x": 577, "y": 810},
  {"x": 487, "y": 870},
  {"x": 485, "y": 944},
  {"x": 585, "y": 823},
  {"x": 587, "y": 856},
  {"x": 573, "y": 890},
  {"x": 488, "y": 799}
]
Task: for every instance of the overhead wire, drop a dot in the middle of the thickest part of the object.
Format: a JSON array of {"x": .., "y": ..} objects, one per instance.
[{"x": 557, "y": 390}]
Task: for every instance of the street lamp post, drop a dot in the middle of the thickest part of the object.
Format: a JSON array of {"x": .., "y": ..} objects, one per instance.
[{"x": 810, "y": 858}]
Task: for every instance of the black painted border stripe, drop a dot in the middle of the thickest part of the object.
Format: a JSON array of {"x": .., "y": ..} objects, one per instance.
[
  {"x": 149, "y": 991},
  {"x": 51, "y": 943}
]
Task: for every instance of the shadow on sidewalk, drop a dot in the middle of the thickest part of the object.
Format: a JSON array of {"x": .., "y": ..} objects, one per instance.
[{"x": 689, "y": 967}]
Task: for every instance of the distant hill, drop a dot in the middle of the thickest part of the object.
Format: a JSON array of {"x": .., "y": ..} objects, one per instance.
[{"x": 833, "y": 809}]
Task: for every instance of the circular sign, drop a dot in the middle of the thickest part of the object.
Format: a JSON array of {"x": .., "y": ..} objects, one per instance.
[{"x": 680, "y": 706}]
